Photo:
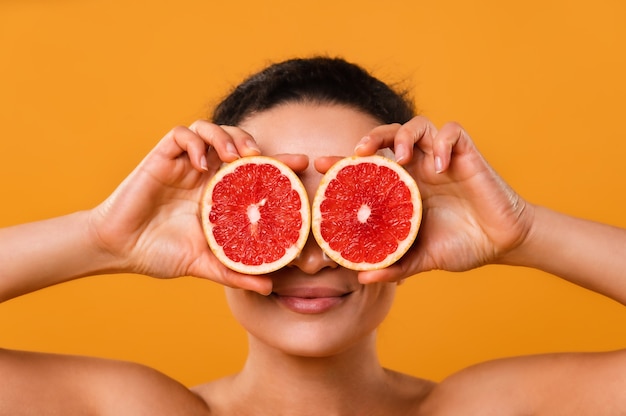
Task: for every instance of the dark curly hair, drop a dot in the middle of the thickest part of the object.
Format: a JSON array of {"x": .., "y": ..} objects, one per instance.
[{"x": 316, "y": 80}]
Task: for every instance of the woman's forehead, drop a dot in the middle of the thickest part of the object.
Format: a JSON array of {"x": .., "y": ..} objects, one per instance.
[{"x": 311, "y": 129}]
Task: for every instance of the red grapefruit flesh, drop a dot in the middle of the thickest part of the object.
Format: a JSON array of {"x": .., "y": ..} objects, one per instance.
[
  {"x": 255, "y": 215},
  {"x": 366, "y": 212}
]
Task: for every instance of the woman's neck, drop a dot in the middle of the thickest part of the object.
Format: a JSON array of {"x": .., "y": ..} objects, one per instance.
[{"x": 347, "y": 383}]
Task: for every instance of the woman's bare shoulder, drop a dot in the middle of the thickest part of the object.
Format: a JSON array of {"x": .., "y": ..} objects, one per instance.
[
  {"x": 36, "y": 383},
  {"x": 566, "y": 384}
]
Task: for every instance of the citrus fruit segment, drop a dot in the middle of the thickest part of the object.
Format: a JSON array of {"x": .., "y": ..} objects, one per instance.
[
  {"x": 366, "y": 212},
  {"x": 255, "y": 215}
]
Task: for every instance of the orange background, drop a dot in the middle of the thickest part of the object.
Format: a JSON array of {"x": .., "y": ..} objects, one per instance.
[{"x": 87, "y": 88}]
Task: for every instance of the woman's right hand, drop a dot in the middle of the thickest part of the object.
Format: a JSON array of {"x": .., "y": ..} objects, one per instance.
[{"x": 151, "y": 223}]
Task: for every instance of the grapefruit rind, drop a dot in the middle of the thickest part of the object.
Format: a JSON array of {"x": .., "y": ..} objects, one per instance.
[
  {"x": 402, "y": 245},
  {"x": 207, "y": 205}
]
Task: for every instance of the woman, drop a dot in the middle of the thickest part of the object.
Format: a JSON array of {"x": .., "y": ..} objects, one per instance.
[{"x": 307, "y": 113}]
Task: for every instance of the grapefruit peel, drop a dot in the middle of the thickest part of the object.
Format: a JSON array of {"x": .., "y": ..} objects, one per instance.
[{"x": 255, "y": 215}]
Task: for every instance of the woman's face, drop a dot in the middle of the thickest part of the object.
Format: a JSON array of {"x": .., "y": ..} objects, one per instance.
[{"x": 317, "y": 308}]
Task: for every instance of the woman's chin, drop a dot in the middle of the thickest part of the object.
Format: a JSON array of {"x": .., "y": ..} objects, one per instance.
[{"x": 315, "y": 344}]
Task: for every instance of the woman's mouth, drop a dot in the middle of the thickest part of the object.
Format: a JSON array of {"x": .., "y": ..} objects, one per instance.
[{"x": 310, "y": 300}]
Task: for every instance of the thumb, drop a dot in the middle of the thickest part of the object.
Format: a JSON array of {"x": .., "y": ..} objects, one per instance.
[
  {"x": 217, "y": 272},
  {"x": 393, "y": 273},
  {"x": 411, "y": 264}
]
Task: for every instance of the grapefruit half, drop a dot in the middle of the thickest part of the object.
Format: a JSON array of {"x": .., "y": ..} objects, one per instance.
[
  {"x": 366, "y": 212},
  {"x": 255, "y": 215}
]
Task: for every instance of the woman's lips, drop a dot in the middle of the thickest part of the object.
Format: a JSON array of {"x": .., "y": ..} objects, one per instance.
[{"x": 310, "y": 300}]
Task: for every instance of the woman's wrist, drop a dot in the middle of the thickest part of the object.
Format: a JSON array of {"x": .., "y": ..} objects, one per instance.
[
  {"x": 105, "y": 259},
  {"x": 524, "y": 253}
]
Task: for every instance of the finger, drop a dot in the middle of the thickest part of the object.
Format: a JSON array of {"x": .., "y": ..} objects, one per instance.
[
  {"x": 259, "y": 284},
  {"x": 296, "y": 162},
  {"x": 220, "y": 140},
  {"x": 244, "y": 142},
  {"x": 417, "y": 131},
  {"x": 393, "y": 273},
  {"x": 411, "y": 264},
  {"x": 322, "y": 164},
  {"x": 181, "y": 140},
  {"x": 451, "y": 137},
  {"x": 378, "y": 138},
  {"x": 401, "y": 138},
  {"x": 222, "y": 275}
]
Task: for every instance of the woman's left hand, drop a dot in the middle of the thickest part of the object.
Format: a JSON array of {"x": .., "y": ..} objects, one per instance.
[{"x": 471, "y": 217}]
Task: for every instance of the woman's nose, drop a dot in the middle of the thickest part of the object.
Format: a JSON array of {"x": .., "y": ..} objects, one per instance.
[{"x": 312, "y": 259}]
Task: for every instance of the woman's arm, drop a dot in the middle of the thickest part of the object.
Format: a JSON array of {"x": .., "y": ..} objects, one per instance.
[
  {"x": 587, "y": 253},
  {"x": 473, "y": 218},
  {"x": 149, "y": 225},
  {"x": 45, "y": 253}
]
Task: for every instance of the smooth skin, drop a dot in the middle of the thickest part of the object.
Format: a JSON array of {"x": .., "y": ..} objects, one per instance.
[{"x": 150, "y": 225}]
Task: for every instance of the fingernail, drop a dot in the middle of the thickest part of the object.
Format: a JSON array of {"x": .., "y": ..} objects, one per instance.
[
  {"x": 438, "y": 164},
  {"x": 230, "y": 148},
  {"x": 401, "y": 152},
  {"x": 203, "y": 163},
  {"x": 362, "y": 142},
  {"x": 252, "y": 146}
]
